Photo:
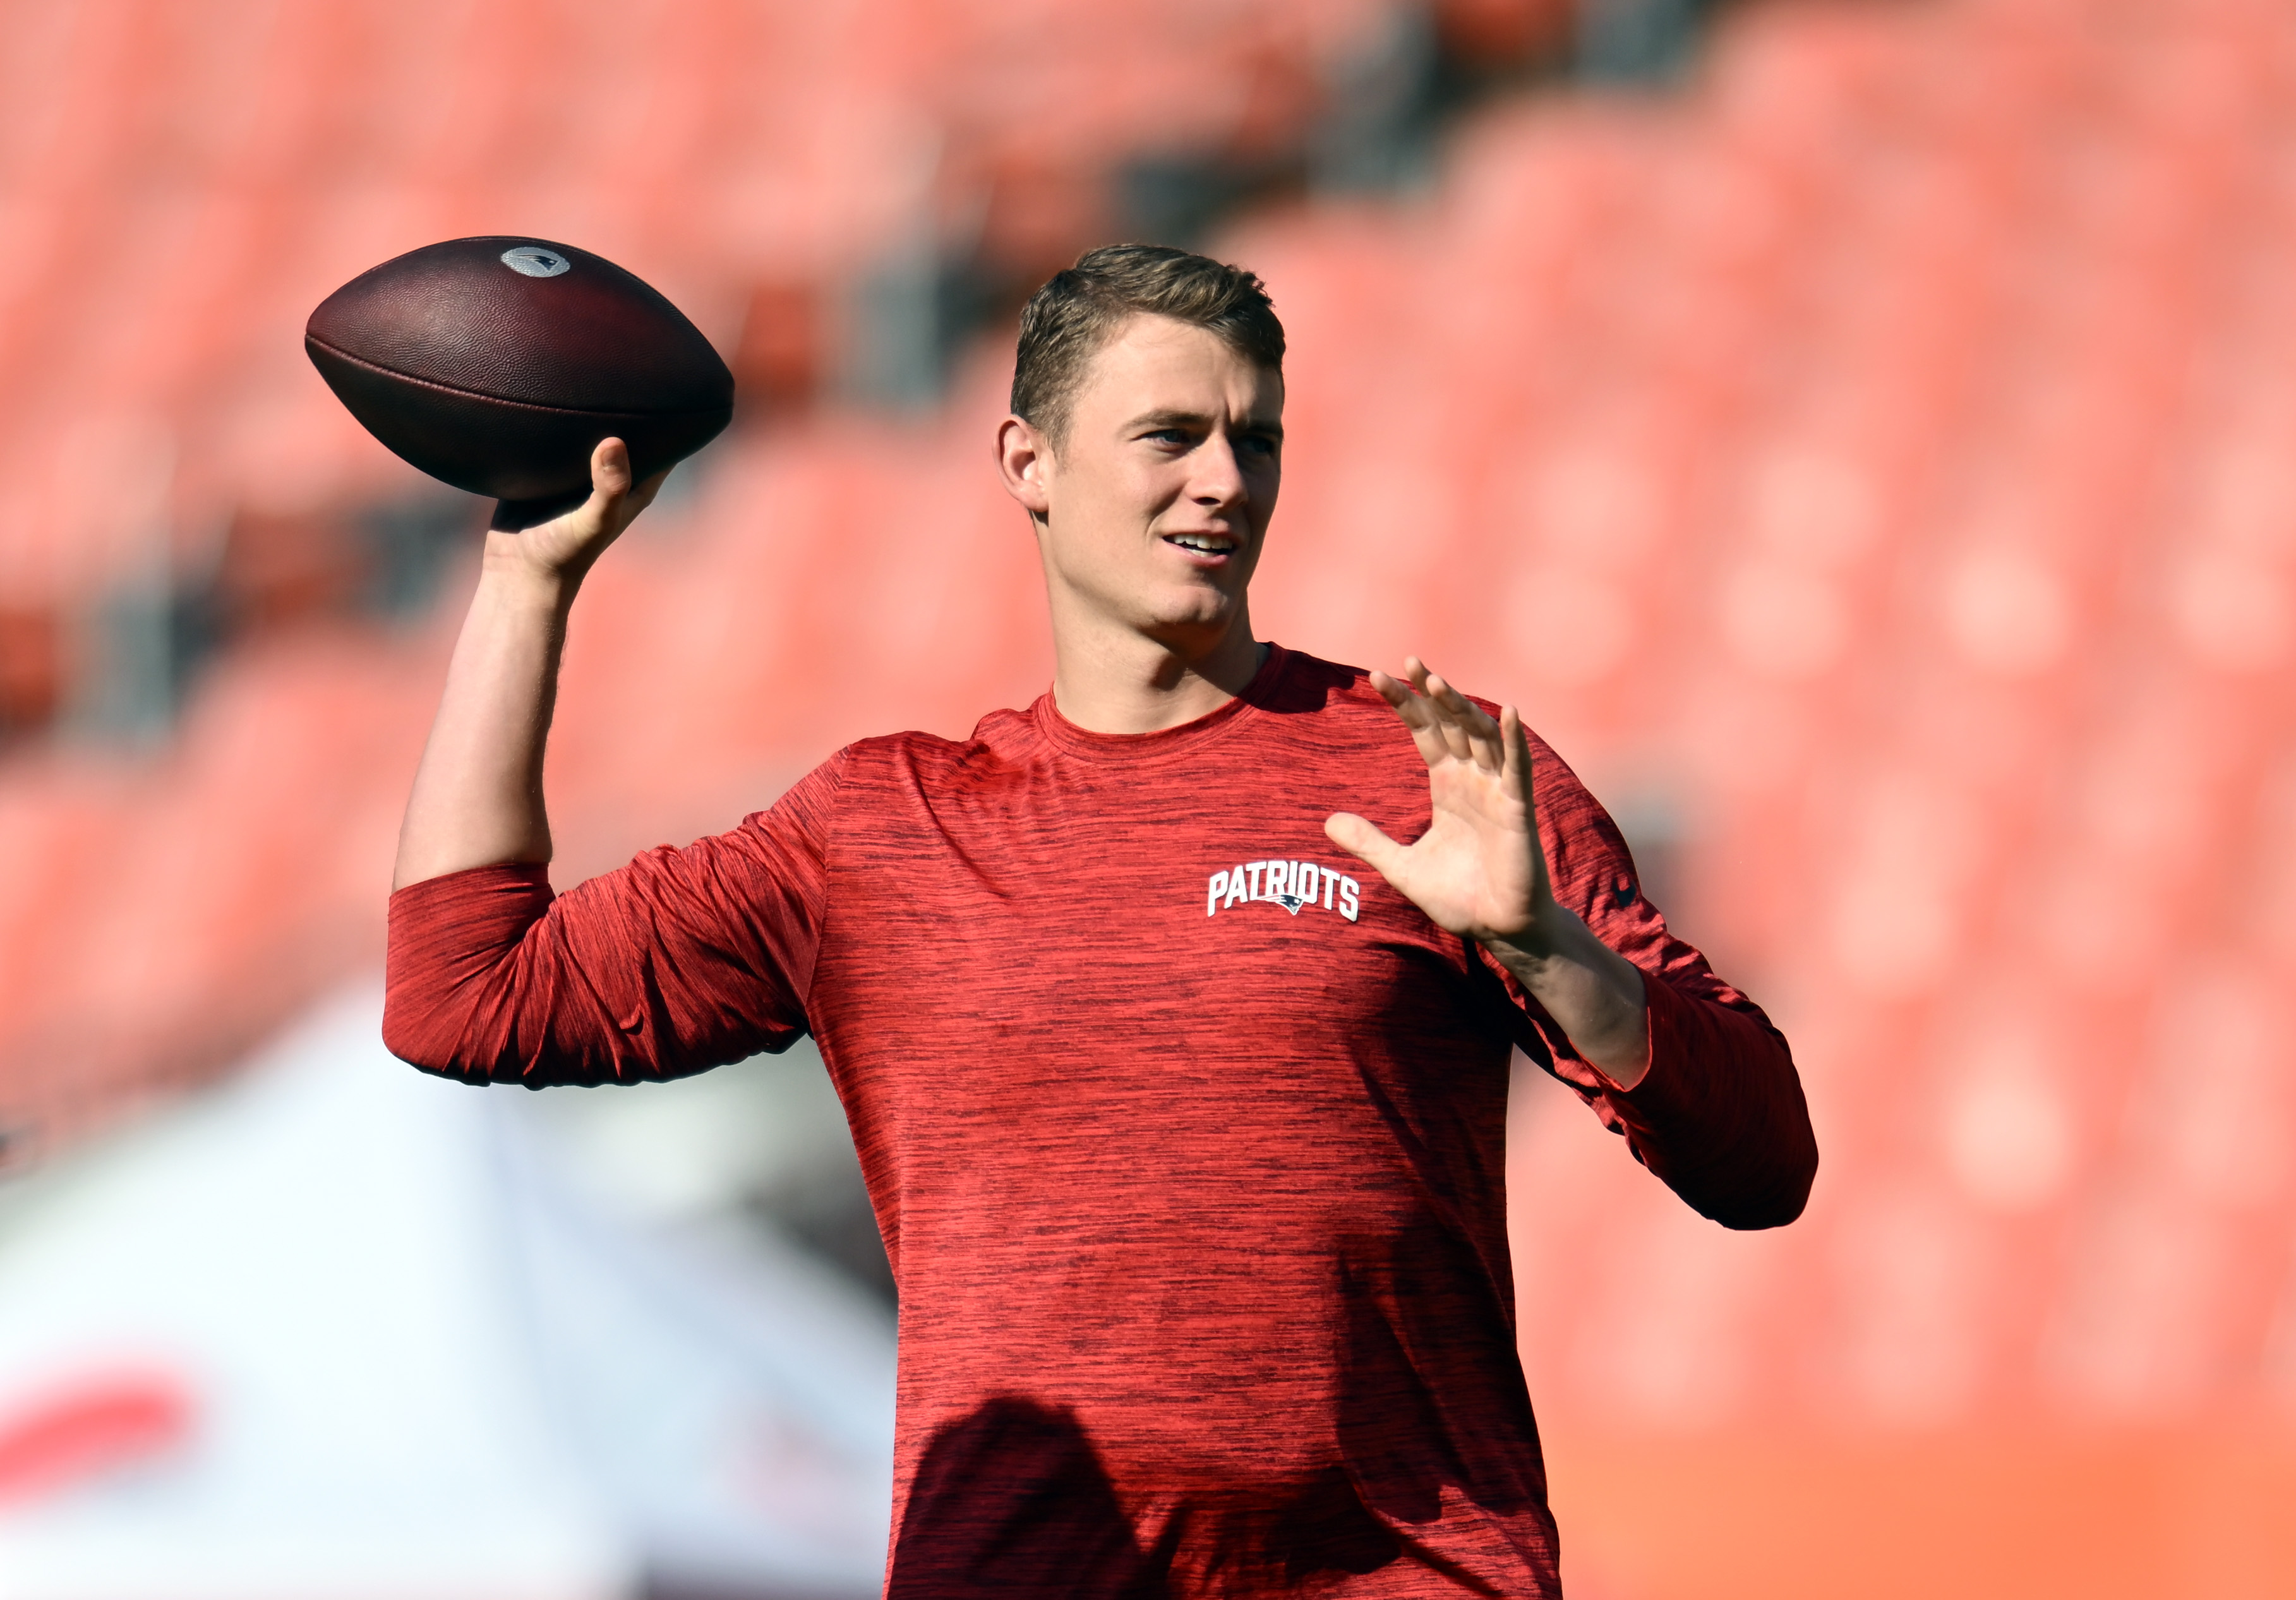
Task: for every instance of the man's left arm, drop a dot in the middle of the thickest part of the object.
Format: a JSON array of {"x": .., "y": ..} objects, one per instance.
[{"x": 1693, "y": 1074}]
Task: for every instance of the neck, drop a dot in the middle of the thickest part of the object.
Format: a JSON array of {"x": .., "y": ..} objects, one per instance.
[{"x": 1122, "y": 682}]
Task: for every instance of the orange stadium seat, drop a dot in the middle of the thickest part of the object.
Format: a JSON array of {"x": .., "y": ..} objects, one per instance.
[{"x": 193, "y": 179}]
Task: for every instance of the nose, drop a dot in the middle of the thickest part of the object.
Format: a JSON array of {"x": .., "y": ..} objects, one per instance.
[{"x": 1217, "y": 480}]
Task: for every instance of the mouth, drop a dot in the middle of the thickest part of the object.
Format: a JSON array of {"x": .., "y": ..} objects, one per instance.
[{"x": 1207, "y": 546}]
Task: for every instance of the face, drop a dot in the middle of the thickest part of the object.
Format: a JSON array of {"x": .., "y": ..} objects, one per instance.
[{"x": 1152, "y": 511}]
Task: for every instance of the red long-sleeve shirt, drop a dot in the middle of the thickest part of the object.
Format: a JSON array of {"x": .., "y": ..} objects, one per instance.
[{"x": 1184, "y": 1129}]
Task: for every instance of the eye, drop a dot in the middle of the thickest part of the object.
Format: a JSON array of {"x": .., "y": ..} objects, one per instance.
[{"x": 1259, "y": 444}]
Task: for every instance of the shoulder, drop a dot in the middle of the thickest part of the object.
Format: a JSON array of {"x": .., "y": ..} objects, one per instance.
[
  {"x": 1312, "y": 683},
  {"x": 1310, "y": 686},
  {"x": 857, "y": 790},
  {"x": 916, "y": 760},
  {"x": 1342, "y": 697},
  {"x": 1347, "y": 709},
  {"x": 1325, "y": 709}
]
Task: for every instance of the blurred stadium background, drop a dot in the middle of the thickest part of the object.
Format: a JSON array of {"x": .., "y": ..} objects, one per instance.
[{"x": 1862, "y": 433}]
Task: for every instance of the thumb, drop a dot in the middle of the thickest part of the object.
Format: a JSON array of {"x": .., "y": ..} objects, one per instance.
[
  {"x": 574, "y": 537},
  {"x": 1365, "y": 841},
  {"x": 609, "y": 473},
  {"x": 600, "y": 517},
  {"x": 642, "y": 496}
]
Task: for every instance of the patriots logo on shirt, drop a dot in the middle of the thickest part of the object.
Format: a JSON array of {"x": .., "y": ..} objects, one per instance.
[{"x": 1294, "y": 885}]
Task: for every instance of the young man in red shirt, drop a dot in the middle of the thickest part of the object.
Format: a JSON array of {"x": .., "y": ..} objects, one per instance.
[{"x": 1179, "y": 1082}]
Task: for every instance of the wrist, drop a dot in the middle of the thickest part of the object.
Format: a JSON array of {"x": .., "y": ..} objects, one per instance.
[
  {"x": 1549, "y": 931},
  {"x": 1595, "y": 995},
  {"x": 509, "y": 574}
]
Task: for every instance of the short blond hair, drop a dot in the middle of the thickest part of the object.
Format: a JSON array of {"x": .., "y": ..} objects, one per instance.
[{"x": 1080, "y": 308}]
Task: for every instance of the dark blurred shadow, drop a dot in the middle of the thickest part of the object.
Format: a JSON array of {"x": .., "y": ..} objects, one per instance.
[{"x": 1013, "y": 1501}]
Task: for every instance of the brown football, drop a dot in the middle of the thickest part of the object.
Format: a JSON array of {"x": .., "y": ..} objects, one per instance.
[{"x": 497, "y": 364}]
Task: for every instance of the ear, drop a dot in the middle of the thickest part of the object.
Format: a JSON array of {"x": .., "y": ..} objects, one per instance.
[{"x": 1024, "y": 460}]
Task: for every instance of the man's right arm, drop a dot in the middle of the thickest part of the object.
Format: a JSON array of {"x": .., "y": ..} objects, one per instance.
[
  {"x": 682, "y": 960},
  {"x": 477, "y": 800}
]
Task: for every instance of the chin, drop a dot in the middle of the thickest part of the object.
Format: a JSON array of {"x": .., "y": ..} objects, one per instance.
[{"x": 1192, "y": 611}]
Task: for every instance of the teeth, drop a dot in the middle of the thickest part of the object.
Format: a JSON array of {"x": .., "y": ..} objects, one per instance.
[{"x": 1209, "y": 546}]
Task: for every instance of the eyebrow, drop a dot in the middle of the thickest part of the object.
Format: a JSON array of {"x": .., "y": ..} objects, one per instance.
[{"x": 1170, "y": 418}]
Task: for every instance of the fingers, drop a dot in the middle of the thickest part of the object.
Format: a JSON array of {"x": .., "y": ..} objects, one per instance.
[
  {"x": 1468, "y": 721},
  {"x": 1433, "y": 693},
  {"x": 1413, "y": 711},
  {"x": 1443, "y": 721},
  {"x": 1518, "y": 779},
  {"x": 1514, "y": 744},
  {"x": 1365, "y": 841},
  {"x": 1466, "y": 726}
]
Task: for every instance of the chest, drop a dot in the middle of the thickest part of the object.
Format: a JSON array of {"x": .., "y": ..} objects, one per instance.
[
  {"x": 1179, "y": 994},
  {"x": 1118, "y": 914}
]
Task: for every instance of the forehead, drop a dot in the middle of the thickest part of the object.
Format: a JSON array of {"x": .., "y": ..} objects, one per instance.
[{"x": 1150, "y": 360}]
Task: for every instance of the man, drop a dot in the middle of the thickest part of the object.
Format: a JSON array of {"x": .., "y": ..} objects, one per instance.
[{"x": 1184, "y": 1128}]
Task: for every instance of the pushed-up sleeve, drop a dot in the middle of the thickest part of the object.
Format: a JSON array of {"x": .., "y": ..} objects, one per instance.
[
  {"x": 1719, "y": 1114},
  {"x": 685, "y": 959}
]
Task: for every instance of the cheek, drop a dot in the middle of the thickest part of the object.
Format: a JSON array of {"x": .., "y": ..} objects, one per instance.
[
  {"x": 1150, "y": 482},
  {"x": 1124, "y": 495}
]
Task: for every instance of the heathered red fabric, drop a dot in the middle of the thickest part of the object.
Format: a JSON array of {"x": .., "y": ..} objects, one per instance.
[{"x": 1194, "y": 1192}]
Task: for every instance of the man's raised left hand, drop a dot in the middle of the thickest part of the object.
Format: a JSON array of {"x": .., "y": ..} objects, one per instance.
[{"x": 1479, "y": 870}]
